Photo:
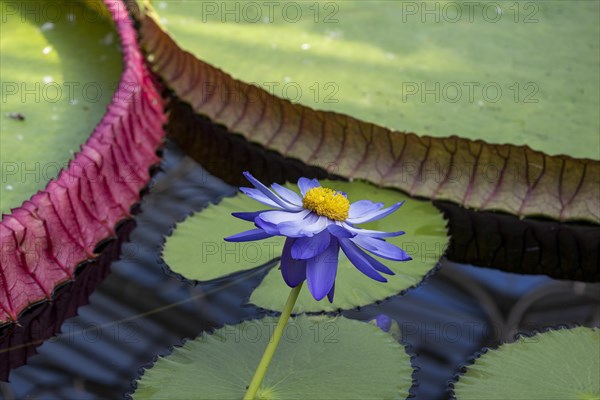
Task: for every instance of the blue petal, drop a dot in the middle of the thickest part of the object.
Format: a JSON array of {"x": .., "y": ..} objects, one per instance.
[
  {"x": 340, "y": 231},
  {"x": 309, "y": 247},
  {"x": 381, "y": 248},
  {"x": 288, "y": 195},
  {"x": 293, "y": 271},
  {"x": 306, "y": 184},
  {"x": 362, "y": 207},
  {"x": 309, "y": 226},
  {"x": 330, "y": 294},
  {"x": 321, "y": 271},
  {"x": 279, "y": 217},
  {"x": 248, "y": 216},
  {"x": 374, "y": 215},
  {"x": 259, "y": 196},
  {"x": 384, "y": 322},
  {"x": 367, "y": 232},
  {"x": 253, "y": 234},
  {"x": 357, "y": 257},
  {"x": 268, "y": 193},
  {"x": 378, "y": 265},
  {"x": 267, "y": 226}
]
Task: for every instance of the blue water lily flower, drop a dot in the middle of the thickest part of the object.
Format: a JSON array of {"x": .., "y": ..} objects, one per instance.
[{"x": 317, "y": 224}]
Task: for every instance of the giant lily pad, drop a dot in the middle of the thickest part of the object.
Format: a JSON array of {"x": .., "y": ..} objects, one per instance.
[
  {"x": 45, "y": 239},
  {"x": 60, "y": 68},
  {"x": 432, "y": 69},
  {"x": 196, "y": 250},
  {"x": 562, "y": 364},
  {"x": 316, "y": 359},
  {"x": 473, "y": 173}
]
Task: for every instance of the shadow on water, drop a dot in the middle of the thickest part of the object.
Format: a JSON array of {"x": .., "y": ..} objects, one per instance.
[{"x": 139, "y": 312}]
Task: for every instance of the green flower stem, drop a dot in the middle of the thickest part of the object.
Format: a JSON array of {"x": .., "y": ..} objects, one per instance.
[{"x": 261, "y": 370}]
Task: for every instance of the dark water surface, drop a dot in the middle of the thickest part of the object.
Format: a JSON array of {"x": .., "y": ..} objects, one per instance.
[{"x": 140, "y": 311}]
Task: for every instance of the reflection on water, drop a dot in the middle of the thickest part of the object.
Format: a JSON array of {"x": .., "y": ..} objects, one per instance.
[{"x": 139, "y": 312}]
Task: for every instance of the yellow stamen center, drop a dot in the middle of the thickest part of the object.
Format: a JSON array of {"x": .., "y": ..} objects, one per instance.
[{"x": 327, "y": 202}]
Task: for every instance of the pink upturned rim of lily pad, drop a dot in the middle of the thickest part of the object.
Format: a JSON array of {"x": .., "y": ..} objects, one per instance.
[{"x": 48, "y": 236}]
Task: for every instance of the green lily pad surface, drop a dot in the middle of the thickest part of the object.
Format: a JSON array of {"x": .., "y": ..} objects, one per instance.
[
  {"x": 60, "y": 66},
  {"x": 316, "y": 359},
  {"x": 521, "y": 72},
  {"x": 196, "y": 250},
  {"x": 555, "y": 365}
]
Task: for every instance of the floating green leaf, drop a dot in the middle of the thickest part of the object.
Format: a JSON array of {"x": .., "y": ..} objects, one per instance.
[
  {"x": 562, "y": 364},
  {"x": 196, "y": 249},
  {"x": 317, "y": 358},
  {"x": 431, "y": 69},
  {"x": 472, "y": 173},
  {"x": 44, "y": 240},
  {"x": 60, "y": 67}
]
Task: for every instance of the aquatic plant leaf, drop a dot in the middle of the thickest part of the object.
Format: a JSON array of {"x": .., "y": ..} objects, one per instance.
[
  {"x": 19, "y": 342},
  {"x": 557, "y": 364},
  {"x": 59, "y": 73},
  {"x": 45, "y": 239},
  {"x": 196, "y": 249},
  {"x": 317, "y": 358},
  {"x": 433, "y": 70},
  {"x": 472, "y": 173}
]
